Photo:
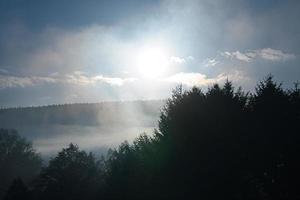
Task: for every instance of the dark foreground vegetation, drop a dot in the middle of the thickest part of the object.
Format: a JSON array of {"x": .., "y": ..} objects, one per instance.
[{"x": 221, "y": 144}]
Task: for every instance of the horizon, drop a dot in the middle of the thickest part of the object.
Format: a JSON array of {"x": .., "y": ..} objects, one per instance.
[{"x": 81, "y": 103}]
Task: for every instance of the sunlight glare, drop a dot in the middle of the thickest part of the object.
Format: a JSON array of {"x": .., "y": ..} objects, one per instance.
[{"x": 152, "y": 62}]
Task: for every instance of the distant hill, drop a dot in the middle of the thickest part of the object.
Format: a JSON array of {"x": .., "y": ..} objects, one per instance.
[
  {"x": 127, "y": 113},
  {"x": 87, "y": 124}
]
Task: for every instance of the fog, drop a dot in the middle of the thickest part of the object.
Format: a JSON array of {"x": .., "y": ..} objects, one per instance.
[
  {"x": 90, "y": 138},
  {"x": 94, "y": 127}
]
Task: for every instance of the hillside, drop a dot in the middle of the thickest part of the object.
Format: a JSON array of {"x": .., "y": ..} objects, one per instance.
[
  {"x": 126, "y": 113},
  {"x": 92, "y": 125}
]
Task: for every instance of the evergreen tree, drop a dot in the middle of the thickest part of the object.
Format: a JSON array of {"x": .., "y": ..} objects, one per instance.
[{"x": 72, "y": 174}]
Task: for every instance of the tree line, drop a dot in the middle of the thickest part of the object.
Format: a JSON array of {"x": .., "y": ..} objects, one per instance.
[
  {"x": 219, "y": 144},
  {"x": 85, "y": 114}
]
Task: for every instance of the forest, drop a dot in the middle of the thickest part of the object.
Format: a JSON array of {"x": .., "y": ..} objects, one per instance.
[
  {"x": 84, "y": 114},
  {"x": 223, "y": 143}
]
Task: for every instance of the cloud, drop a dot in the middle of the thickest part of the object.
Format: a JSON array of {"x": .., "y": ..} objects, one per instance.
[
  {"x": 77, "y": 77},
  {"x": 3, "y": 71},
  {"x": 15, "y": 81},
  {"x": 115, "y": 81},
  {"x": 81, "y": 78},
  {"x": 265, "y": 54},
  {"x": 237, "y": 55},
  {"x": 198, "y": 79},
  {"x": 177, "y": 60},
  {"x": 274, "y": 55},
  {"x": 190, "y": 58},
  {"x": 210, "y": 62},
  {"x": 99, "y": 48},
  {"x": 190, "y": 79},
  {"x": 181, "y": 60}
]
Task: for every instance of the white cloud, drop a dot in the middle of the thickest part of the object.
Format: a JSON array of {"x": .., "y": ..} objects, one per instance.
[
  {"x": 198, "y": 79},
  {"x": 274, "y": 55},
  {"x": 114, "y": 80},
  {"x": 265, "y": 54},
  {"x": 177, "y": 60},
  {"x": 15, "y": 81},
  {"x": 181, "y": 60},
  {"x": 237, "y": 55},
  {"x": 192, "y": 79},
  {"x": 81, "y": 78},
  {"x": 191, "y": 58},
  {"x": 77, "y": 77},
  {"x": 210, "y": 62}
]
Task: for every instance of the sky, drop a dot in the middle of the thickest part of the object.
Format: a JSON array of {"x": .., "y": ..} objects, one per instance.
[{"x": 63, "y": 51}]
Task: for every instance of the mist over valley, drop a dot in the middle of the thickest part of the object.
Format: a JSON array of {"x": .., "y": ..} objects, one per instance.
[{"x": 93, "y": 126}]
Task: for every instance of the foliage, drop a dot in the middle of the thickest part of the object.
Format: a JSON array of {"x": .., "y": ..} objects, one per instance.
[
  {"x": 17, "y": 159},
  {"x": 72, "y": 174},
  {"x": 223, "y": 143}
]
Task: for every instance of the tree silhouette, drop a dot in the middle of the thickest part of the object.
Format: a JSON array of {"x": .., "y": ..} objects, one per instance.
[
  {"x": 275, "y": 138},
  {"x": 138, "y": 170},
  {"x": 220, "y": 144},
  {"x": 17, "y": 159},
  {"x": 72, "y": 174},
  {"x": 205, "y": 133}
]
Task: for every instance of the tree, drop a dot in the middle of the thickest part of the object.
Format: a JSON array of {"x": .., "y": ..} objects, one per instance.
[
  {"x": 17, "y": 159},
  {"x": 205, "y": 132},
  {"x": 275, "y": 138},
  {"x": 72, "y": 174},
  {"x": 18, "y": 190},
  {"x": 137, "y": 171},
  {"x": 180, "y": 157},
  {"x": 218, "y": 144}
]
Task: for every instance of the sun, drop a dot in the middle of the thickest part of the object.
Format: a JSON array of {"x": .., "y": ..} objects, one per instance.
[{"x": 152, "y": 61}]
